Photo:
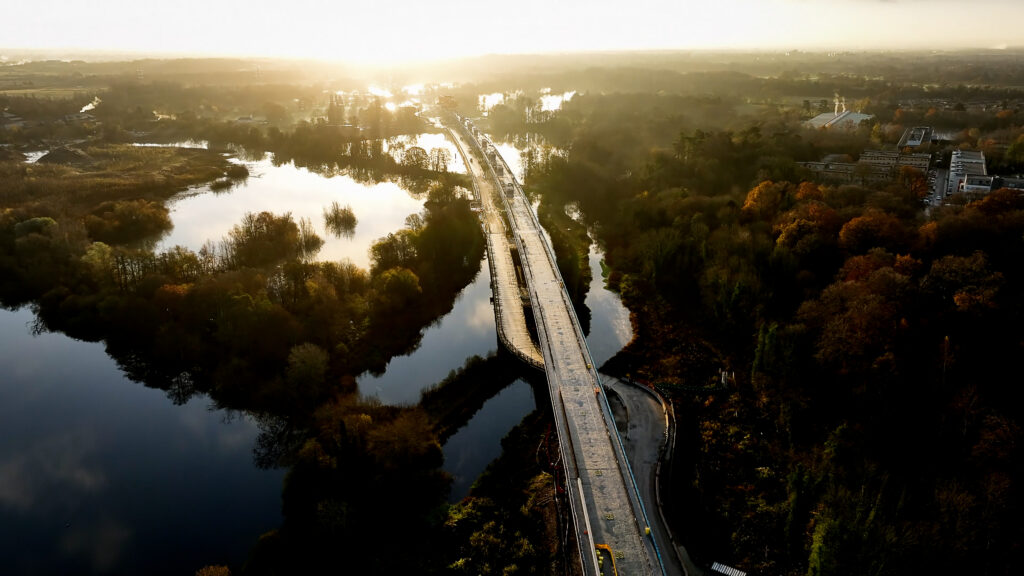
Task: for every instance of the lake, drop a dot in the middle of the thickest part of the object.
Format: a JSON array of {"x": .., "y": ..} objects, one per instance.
[
  {"x": 201, "y": 214},
  {"x": 99, "y": 474}
]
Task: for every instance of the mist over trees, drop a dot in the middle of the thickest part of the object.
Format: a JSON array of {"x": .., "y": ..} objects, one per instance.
[
  {"x": 870, "y": 342},
  {"x": 872, "y": 422}
]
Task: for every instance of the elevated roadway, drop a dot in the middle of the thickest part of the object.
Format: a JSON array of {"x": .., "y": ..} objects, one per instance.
[
  {"x": 611, "y": 522},
  {"x": 508, "y": 304}
]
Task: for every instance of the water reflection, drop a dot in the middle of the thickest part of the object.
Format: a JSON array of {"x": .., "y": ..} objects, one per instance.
[
  {"x": 525, "y": 152},
  {"x": 381, "y": 208},
  {"x": 427, "y": 141},
  {"x": 512, "y": 157},
  {"x": 551, "y": 102},
  {"x": 610, "y": 329},
  {"x": 488, "y": 101},
  {"x": 475, "y": 445},
  {"x": 34, "y": 156},
  {"x": 465, "y": 331},
  {"x": 99, "y": 474}
]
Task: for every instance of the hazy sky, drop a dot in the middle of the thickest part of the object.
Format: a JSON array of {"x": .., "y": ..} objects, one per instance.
[{"x": 388, "y": 30}]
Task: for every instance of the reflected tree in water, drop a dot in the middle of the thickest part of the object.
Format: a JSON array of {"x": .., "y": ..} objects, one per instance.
[{"x": 340, "y": 220}]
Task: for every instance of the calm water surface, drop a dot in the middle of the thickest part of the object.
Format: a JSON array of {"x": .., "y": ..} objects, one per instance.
[
  {"x": 512, "y": 157},
  {"x": 466, "y": 331},
  {"x": 476, "y": 444},
  {"x": 34, "y": 156},
  {"x": 427, "y": 141},
  {"x": 99, "y": 474},
  {"x": 610, "y": 329},
  {"x": 201, "y": 214}
]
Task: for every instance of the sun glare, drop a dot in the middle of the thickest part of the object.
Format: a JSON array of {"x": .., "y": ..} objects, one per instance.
[{"x": 405, "y": 31}]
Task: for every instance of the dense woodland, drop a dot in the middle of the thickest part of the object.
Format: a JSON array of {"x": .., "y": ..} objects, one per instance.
[{"x": 873, "y": 422}]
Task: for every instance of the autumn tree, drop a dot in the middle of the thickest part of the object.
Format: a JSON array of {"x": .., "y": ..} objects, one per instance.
[
  {"x": 396, "y": 250},
  {"x": 122, "y": 221},
  {"x": 440, "y": 158},
  {"x": 416, "y": 157},
  {"x": 395, "y": 289},
  {"x": 873, "y": 229},
  {"x": 263, "y": 239},
  {"x": 766, "y": 199}
]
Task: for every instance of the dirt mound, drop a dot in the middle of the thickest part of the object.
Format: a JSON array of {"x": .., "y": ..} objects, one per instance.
[{"x": 67, "y": 155}]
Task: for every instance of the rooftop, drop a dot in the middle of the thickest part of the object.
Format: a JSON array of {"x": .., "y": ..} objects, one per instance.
[
  {"x": 916, "y": 137},
  {"x": 968, "y": 156},
  {"x": 846, "y": 120}
]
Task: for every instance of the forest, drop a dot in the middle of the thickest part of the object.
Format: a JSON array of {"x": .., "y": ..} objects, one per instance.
[
  {"x": 870, "y": 426},
  {"x": 870, "y": 420}
]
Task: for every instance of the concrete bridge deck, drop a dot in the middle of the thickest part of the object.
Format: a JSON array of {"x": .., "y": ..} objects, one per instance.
[
  {"x": 508, "y": 305},
  {"x": 606, "y": 507}
]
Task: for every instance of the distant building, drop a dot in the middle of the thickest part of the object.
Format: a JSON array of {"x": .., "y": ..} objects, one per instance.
[
  {"x": 964, "y": 163},
  {"x": 975, "y": 186},
  {"x": 873, "y": 166},
  {"x": 840, "y": 118},
  {"x": 10, "y": 121},
  {"x": 79, "y": 118},
  {"x": 896, "y": 160},
  {"x": 1006, "y": 182},
  {"x": 843, "y": 121},
  {"x": 918, "y": 137},
  {"x": 837, "y": 158}
]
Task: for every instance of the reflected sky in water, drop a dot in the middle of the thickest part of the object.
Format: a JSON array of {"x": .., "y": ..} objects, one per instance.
[
  {"x": 200, "y": 214},
  {"x": 427, "y": 141},
  {"x": 512, "y": 157},
  {"x": 476, "y": 444},
  {"x": 466, "y": 331},
  {"x": 100, "y": 474},
  {"x": 610, "y": 329},
  {"x": 550, "y": 102}
]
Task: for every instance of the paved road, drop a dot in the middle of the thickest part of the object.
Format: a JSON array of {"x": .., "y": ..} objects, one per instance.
[
  {"x": 508, "y": 306},
  {"x": 646, "y": 432},
  {"x": 606, "y": 505}
]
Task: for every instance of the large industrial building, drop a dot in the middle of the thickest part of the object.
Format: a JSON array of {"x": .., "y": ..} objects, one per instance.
[
  {"x": 976, "y": 186},
  {"x": 962, "y": 164},
  {"x": 840, "y": 118},
  {"x": 917, "y": 138},
  {"x": 872, "y": 167}
]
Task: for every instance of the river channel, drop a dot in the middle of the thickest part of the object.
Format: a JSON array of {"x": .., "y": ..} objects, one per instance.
[{"x": 99, "y": 474}]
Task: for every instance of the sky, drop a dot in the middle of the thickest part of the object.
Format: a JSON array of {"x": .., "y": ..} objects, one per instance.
[{"x": 397, "y": 30}]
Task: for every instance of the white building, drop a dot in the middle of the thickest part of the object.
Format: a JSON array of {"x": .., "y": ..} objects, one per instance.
[{"x": 964, "y": 163}]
